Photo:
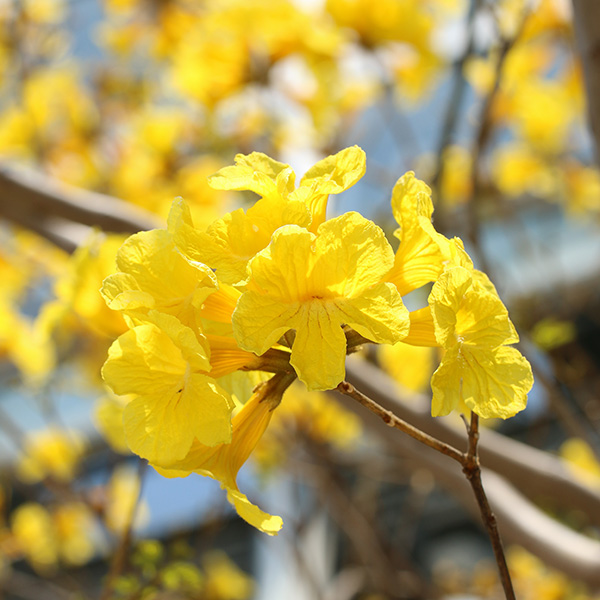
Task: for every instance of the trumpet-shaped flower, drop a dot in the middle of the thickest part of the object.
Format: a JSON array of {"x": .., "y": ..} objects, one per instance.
[
  {"x": 315, "y": 284},
  {"x": 224, "y": 461},
  {"x": 154, "y": 276},
  {"x": 229, "y": 243},
  {"x": 271, "y": 179},
  {"x": 479, "y": 368},
  {"x": 165, "y": 364},
  {"x": 423, "y": 252}
]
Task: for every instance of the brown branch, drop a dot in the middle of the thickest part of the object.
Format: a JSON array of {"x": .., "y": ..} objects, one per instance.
[
  {"x": 472, "y": 471},
  {"x": 532, "y": 472},
  {"x": 587, "y": 37},
  {"x": 482, "y": 137},
  {"x": 453, "y": 107},
  {"x": 63, "y": 213},
  {"x": 470, "y": 466},
  {"x": 389, "y": 418}
]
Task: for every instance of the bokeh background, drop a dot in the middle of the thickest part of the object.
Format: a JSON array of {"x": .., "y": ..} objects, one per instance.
[{"x": 110, "y": 109}]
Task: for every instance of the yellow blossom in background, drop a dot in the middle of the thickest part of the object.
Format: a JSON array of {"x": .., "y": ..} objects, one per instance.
[
  {"x": 50, "y": 453},
  {"x": 49, "y": 536},
  {"x": 410, "y": 366},
  {"x": 553, "y": 333},
  {"x": 74, "y": 527},
  {"x": 581, "y": 188},
  {"x": 210, "y": 65},
  {"x": 404, "y": 30},
  {"x": 70, "y": 108},
  {"x": 456, "y": 185},
  {"x": 314, "y": 284},
  {"x": 581, "y": 460},
  {"x": 45, "y": 11},
  {"x": 479, "y": 72},
  {"x": 122, "y": 499},
  {"x": 533, "y": 579},
  {"x": 517, "y": 169},
  {"x": 77, "y": 289},
  {"x": 25, "y": 345},
  {"x": 543, "y": 113},
  {"x": 224, "y": 579},
  {"x": 32, "y": 528}
]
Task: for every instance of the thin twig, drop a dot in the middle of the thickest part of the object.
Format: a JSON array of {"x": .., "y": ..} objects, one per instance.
[
  {"x": 392, "y": 420},
  {"x": 469, "y": 462},
  {"x": 472, "y": 471},
  {"x": 482, "y": 138},
  {"x": 455, "y": 101},
  {"x": 120, "y": 557}
]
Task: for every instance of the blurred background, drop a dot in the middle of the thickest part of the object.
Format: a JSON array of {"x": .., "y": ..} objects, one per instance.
[{"x": 109, "y": 109}]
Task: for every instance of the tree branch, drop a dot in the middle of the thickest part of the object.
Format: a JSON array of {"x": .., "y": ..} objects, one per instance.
[
  {"x": 63, "y": 213},
  {"x": 587, "y": 37}
]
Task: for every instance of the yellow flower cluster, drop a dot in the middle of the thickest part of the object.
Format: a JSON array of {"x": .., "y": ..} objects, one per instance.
[{"x": 280, "y": 288}]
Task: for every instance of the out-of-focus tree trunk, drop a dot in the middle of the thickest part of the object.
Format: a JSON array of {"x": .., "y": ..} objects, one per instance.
[{"x": 587, "y": 35}]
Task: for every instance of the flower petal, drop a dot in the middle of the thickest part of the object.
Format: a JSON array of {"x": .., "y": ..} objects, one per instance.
[
  {"x": 377, "y": 314},
  {"x": 319, "y": 349},
  {"x": 269, "y": 524},
  {"x": 493, "y": 383},
  {"x": 352, "y": 255},
  {"x": 162, "y": 427},
  {"x": 465, "y": 311},
  {"x": 256, "y": 172}
]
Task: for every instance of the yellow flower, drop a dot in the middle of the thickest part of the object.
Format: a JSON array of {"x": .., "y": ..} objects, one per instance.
[
  {"x": 154, "y": 276},
  {"x": 229, "y": 243},
  {"x": 224, "y": 461},
  {"x": 423, "y": 252},
  {"x": 50, "y": 453},
  {"x": 410, "y": 365},
  {"x": 315, "y": 284},
  {"x": 479, "y": 369},
  {"x": 332, "y": 175},
  {"x": 47, "y": 536},
  {"x": 224, "y": 579},
  {"x": 165, "y": 364},
  {"x": 122, "y": 497}
]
